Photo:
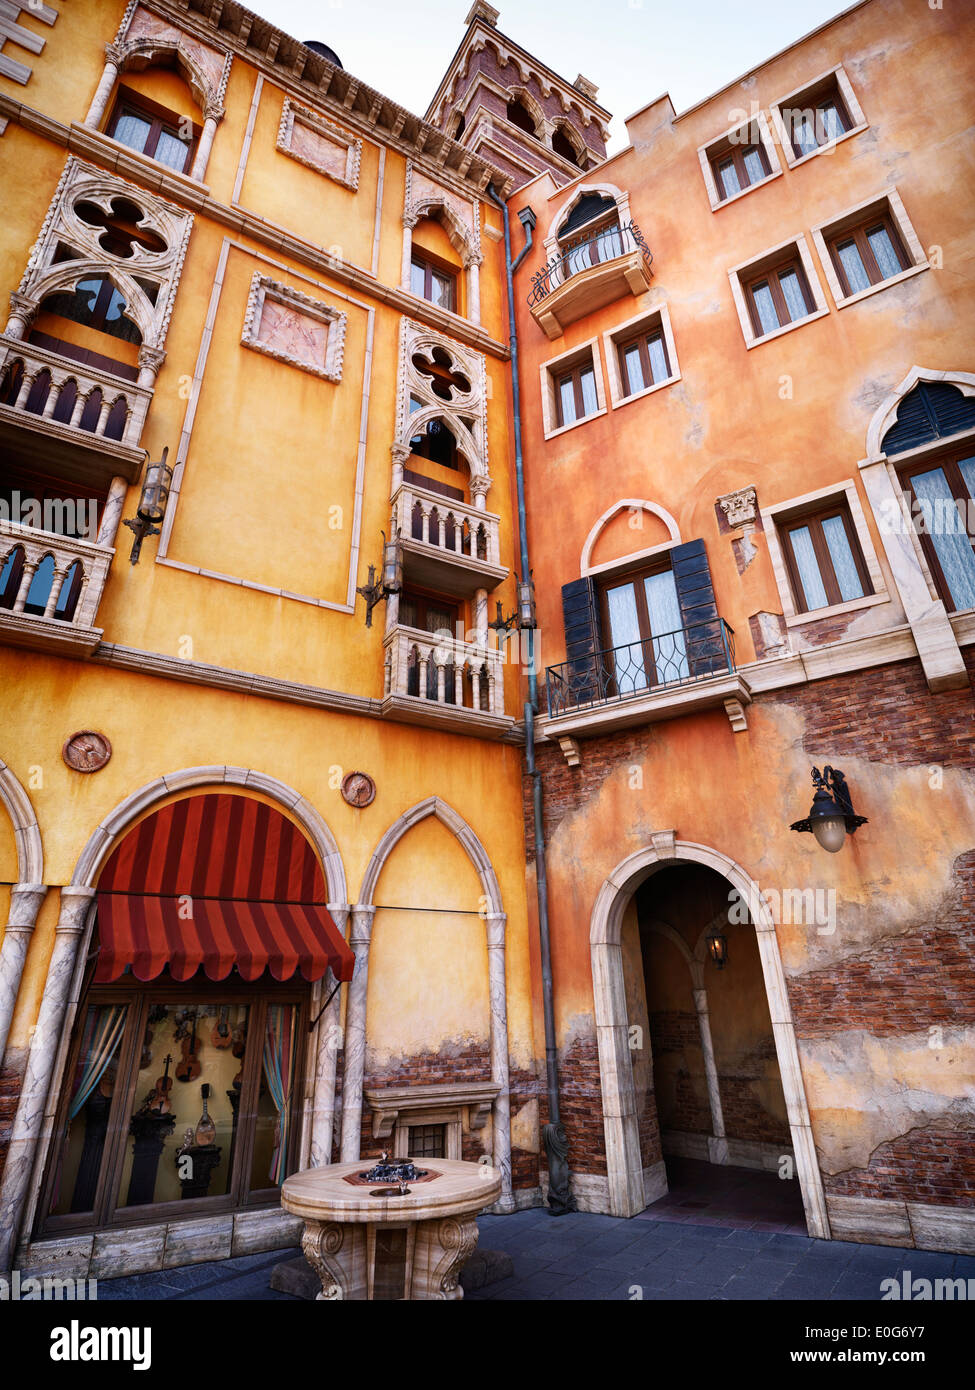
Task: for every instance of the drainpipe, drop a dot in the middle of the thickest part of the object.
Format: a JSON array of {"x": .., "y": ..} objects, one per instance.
[{"x": 560, "y": 1199}]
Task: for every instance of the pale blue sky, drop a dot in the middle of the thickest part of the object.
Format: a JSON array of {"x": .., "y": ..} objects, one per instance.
[{"x": 634, "y": 50}]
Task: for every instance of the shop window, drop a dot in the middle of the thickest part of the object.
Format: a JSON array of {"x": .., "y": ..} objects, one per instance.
[
  {"x": 180, "y": 1097},
  {"x": 152, "y": 130}
]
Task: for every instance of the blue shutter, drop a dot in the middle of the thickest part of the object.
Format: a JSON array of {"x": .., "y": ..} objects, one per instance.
[
  {"x": 933, "y": 410},
  {"x": 583, "y": 644},
  {"x": 703, "y": 633}
]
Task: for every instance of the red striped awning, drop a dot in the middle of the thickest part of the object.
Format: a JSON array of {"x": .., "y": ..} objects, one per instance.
[
  {"x": 212, "y": 882},
  {"x": 149, "y": 933}
]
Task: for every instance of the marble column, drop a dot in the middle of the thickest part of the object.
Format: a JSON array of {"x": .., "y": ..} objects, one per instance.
[
  {"x": 25, "y": 903},
  {"x": 474, "y": 289},
  {"x": 22, "y": 311},
  {"x": 211, "y": 116},
  {"x": 329, "y": 1042},
  {"x": 104, "y": 89},
  {"x": 112, "y": 511},
  {"x": 32, "y": 1116},
  {"x": 355, "y": 1033},
  {"x": 400, "y": 453},
  {"x": 498, "y": 993},
  {"x": 408, "y": 225},
  {"x": 717, "y": 1143}
]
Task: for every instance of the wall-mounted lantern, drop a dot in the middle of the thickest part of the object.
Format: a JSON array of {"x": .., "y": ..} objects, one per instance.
[
  {"x": 392, "y": 577},
  {"x": 832, "y": 816},
  {"x": 526, "y": 603},
  {"x": 152, "y": 504},
  {"x": 717, "y": 944}
]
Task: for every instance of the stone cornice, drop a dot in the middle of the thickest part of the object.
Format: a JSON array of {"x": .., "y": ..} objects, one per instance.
[
  {"x": 109, "y": 154},
  {"x": 335, "y": 92}
]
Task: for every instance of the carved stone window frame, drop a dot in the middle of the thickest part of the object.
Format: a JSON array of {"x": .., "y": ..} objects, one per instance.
[
  {"x": 396, "y": 1110},
  {"x": 264, "y": 288},
  {"x": 292, "y": 113}
]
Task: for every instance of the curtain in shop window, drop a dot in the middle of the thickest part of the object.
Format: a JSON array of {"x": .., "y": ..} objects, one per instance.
[
  {"x": 103, "y": 1033},
  {"x": 279, "y": 1065}
]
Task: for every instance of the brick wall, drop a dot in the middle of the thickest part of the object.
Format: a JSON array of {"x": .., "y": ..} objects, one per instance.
[{"x": 930, "y": 1165}]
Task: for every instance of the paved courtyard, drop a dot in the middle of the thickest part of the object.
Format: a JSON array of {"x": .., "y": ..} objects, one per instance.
[{"x": 584, "y": 1256}]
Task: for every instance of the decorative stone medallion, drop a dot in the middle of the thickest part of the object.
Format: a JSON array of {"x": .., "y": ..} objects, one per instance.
[
  {"x": 358, "y": 789},
  {"x": 86, "y": 751}
]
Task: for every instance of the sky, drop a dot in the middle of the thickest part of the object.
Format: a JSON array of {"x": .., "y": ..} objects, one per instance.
[{"x": 634, "y": 50}]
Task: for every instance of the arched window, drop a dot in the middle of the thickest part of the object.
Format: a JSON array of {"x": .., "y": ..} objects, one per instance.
[
  {"x": 435, "y": 441},
  {"x": 11, "y": 573},
  {"x": 562, "y": 145},
  {"x": 590, "y": 234},
  {"x": 40, "y": 587},
  {"x": 519, "y": 115},
  {"x": 96, "y": 303}
]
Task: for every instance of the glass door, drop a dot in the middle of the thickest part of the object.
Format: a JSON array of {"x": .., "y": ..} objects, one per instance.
[{"x": 643, "y": 621}]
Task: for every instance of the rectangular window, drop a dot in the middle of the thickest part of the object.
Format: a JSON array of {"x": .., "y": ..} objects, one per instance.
[
  {"x": 153, "y": 131},
  {"x": 824, "y": 560},
  {"x": 161, "y": 1073},
  {"x": 427, "y": 1141},
  {"x": 642, "y": 620},
  {"x": 433, "y": 283},
  {"x": 643, "y": 361},
  {"x": 815, "y": 120},
  {"x": 738, "y": 166},
  {"x": 575, "y": 394},
  {"x": 867, "y": 254},
  {"x": 944, "y": 509},
  {"x": 778, "y": 297}
]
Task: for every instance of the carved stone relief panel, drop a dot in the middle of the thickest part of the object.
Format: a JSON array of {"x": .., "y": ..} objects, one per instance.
[{"x": 292, "y": 327}]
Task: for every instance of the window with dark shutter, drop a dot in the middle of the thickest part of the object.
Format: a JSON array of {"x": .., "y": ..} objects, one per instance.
[
  {"x": 704, "y": 633},
  {"x": 583, "y": 639},
  {"x": 933, "y": 410}
]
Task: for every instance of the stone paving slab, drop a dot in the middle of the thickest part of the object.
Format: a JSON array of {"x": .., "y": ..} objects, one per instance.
[{"x": 607, "y": 1258}]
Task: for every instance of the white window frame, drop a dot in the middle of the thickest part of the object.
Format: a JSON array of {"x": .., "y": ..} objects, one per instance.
[
  {"x": 739, "y": 273},
  {"x": 794, "y": 99},
  {"x": 264, "y": 288},
  {"x": 846, "y": 491},
  {"x": 889, "y": 201},
  {"x": 704, "y": 154},
  {"x": 291, "y": 114},
  {"x": 548, "y": 372},
  {"x": 629, "y": 328}
]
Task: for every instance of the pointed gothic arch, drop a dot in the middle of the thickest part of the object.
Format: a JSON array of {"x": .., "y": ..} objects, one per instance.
[{"x": 885, "y": 416}]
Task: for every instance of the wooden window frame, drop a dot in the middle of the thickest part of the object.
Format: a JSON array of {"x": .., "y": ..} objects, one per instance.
[
  {"x": 641, "y": 341},
  {"x": 946, "y": 459},
  {"x": 574, "y": 374},
  {"x": 426, "y": 599},
  {"x": 430, "y": 267},
  {"x": 736, "y": 150},
  {"x": 815, "y": 99},
  {"x": 615, "y": 581},
  {"x": 160, "y": 118},
  {"x": 857, "y": 232},
  {"x": 108, "y": 1211},
  {"x": 813, "y": 518},
  {"x": 771, "y": 276}
]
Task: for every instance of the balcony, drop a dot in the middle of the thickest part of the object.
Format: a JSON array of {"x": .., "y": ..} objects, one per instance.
[
  {"x": 67, "y": 418},
  {"x": 50, "y": 589},
  {"x": 590, "y": 272},
  {"x": 447, "y": 546},
  {"x": 675, "y": 673},
  {"x": 436, "y": 680}
]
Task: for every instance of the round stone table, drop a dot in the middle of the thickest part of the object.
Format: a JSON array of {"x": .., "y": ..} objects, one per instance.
[{"x": 391, "y": 1247}]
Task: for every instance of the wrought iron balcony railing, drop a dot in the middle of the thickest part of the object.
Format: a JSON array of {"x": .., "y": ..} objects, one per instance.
[
  {"x": 685, "y": 657},
  {"x": 607, "y": 244}
]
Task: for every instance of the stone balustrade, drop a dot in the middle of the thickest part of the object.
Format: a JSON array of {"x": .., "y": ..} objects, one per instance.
[
  {"x": 50, "y": 588},
  {"x": 443, "y": 671},
  {"x": 425, "y": 516}
]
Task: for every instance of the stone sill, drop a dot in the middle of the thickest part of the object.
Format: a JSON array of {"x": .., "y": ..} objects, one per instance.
[
  {"x": 47, "y": 634},
  {"x": 647, "y": 708},
  {"x": 411, "y": 709}
]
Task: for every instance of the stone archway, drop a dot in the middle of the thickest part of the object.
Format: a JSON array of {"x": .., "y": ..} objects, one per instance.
[{"x": 623, "y": 1157}]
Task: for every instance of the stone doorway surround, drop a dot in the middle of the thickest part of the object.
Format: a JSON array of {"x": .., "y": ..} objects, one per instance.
[{"x": 623, "y": 1157}]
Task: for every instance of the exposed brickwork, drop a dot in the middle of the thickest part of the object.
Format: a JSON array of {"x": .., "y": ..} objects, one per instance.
[
  {"x": 925, "y": 1165},
  {"x": 649, "y": 1127},
  {"x": 580, "y": 1102},
  {"x": 744, "y": 1115},
  {"x": 674, "y": 1029},
  {"x": 903, "y": 984},
  {"x": 692, "y": 1112}
]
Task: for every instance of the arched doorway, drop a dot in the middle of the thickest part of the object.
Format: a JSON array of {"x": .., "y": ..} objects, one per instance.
[
  {"x": 710, "y": 1086},
  {"x": 625, "y": 1164},
  {"x": 182, "y": 1093}
]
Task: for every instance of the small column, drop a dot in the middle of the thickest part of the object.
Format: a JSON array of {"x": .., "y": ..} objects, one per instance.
[
  {"x": 110, "y": 72},
  {"x": 29, "y": 1122},
  {"x": 329, "y": 1042},
  {"x": 717, "y": 1144},
  {"x": 21, "y": 312},
  {"x": 481, "y": 617},
  {"x": 25, "y": 903},
  {"x": 408, "y": 224},
  {"x": 211, "y": 116},
  {"x": 479, "y": 486},
  {"x": 150, "y": 360},
  {"x": 26, "y": 579},
  {"x": 474, "y": 289},
  {"x": 497, "y": 989},
  {"x": 401, "y": 453},
  {"x": 355, "y": 1034},
  {"x": 112, "y": 512}
]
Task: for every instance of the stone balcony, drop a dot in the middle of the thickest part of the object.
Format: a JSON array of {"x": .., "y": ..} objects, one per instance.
[
  {"x": 52, "y": 586},
  {"x": 67, "y": 418},
  {"x": 447, "y": 546},
  {"x": 589, "y": 273},
  {"x": 436, "y": 680}
]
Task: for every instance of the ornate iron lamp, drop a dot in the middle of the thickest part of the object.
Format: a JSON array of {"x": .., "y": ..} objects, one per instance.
[
  {"x": 831, "y": 816},
  {"x": 717, "y": 947},
  {"x": 152, "y": 504},
  {"x": 392, "y": 577}
]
